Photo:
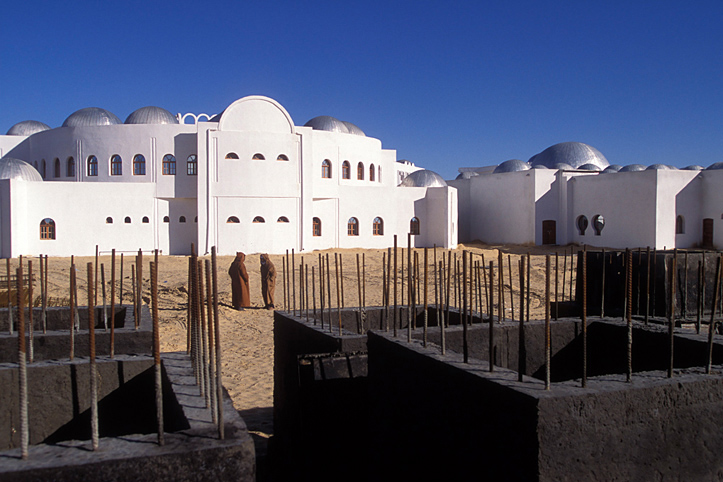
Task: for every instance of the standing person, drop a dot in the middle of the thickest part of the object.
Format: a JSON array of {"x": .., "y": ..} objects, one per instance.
[
  {"x": 268, "y": 281},
  {"x": 240, "y": 295}
]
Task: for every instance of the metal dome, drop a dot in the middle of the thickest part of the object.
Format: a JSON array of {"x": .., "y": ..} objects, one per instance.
[
  {"x": 353, "y": 129},
  {"x": 563, "y": 166},
  {"x": 633, "y": 168},
  {"x": 467, "y": 175},
  {"x": 693, "y": 167},
  {"x": 423, "y": 178},
  {"x": 27, "y": 128},
  {"x": 715, "y": 166},
  {"x": 327, "y": 123},
  {"x": 613, "y": 168},
  {"x": 513, "y": 165},
  {"x": 11, "y": 168},
  {"x": 590, "y": 167},
  {"x": 574, "y": 153},
  {"x": 658, "y": 167},
  {"x": 91, "y": 116},
  {"x": 151, "y": 115}
]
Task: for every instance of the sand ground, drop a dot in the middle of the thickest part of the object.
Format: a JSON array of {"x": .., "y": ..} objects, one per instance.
[{"x": 247, "y": 336}]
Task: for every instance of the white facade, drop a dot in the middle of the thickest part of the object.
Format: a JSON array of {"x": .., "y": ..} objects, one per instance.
[{"x": 247, "y": 180}]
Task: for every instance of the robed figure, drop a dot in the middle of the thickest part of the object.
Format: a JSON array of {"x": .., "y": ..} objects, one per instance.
[
  {"x": 240, "y": 295},
  {"x": 268, "y": 281}
]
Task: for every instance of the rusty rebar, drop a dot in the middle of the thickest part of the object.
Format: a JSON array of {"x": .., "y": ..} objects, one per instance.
[
  {"x": 359, "y": 289},
  {"x": 328, "y": 291},
  {"x": 23, "y": 370},
  {"x": 655, "y": 280},
  {"x": 527, "y": 310},
  {"x": 602, "y": 294},
  {"x": 564, "y": 272},
  {"x": 572, "y": 270},
  {"x": 157, "y": 352},
  {"x": 43, "y": 289},
  {"x": 31, "y": 328},
  {"x": 10, "y": 297},
  {"x": 548, "y": 351},
  {"x": 73, "y": 307},
  {"x": 306, "y": 290},
  {"x": 410, "y": 287},
  {"x": 465, "y": 347},
  {"x": 487, "y": 291},
  {"x": 95, "y": 279},
  {"x": 685, "y": 282},
  {"x": 584, "y": 319},
  {"x": 338, "y": 291},
  {"x": 395, "y": 287},
  {"x": 442, "y": 337},
  {"x": 120, "y": 287},
  {"x": 321, "y": 290},
  {"x": 426, "y": 306},
  {"x": 287, "y": 283},
  {"x": 211, "y": 354},
  {"x": 204, "y": 336},
  {"x": 217, "y": 340},
  {"x": 521, "y": 352},
  {"x": 711, "y": 325},
  {"x": 133, "y": 289},
  {"x": 512, "y": 297},
  {"x": 629, "y": 289},
  {"x": 283, "y": 282},
  {"x": 557, "y": 282},
  {"x": 492, "y": 321},
  {"x": 364, "y": 287},
  {"x": 341, "y": 278},
  {"x": 102, "y": 285},
  {"x": 501, "y": 286},
  {"x": 449, "y": 283},
  {"x": 292, "y": 272},
  {"x": 112, "y": 303},
  {"x": 139, "y": 285},
  {"x": 671, "y": 318},
  {"x": 93, "y": 367}
]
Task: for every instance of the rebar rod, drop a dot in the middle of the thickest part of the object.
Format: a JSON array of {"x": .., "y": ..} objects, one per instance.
[
  {"x": 501, "y": 283},
  {"x": 564, "y": 272},
  {"x": 338, "y": 291},
  {"x": 287, "y": 284},
  {"x": 512, "y": 297},
  {"x": 204, "y": 336},
  {"x": 31, "y": 328},
  {"x": 572, "y": 269},
  {"x": 548, "y": 351},
  {"x": 671, "y": 318},
  {"x": 465, "y": 347},
  {"x": 685, "y": 282},
  {"x": 364, "y": 287},
  {"x": 93, "y": 367},
  {"x": 521, "y": 352},
  {"x": 449, "y": 282},
  {"x": 410, "y": 287},
  {"x": 283, "y": 282},
  {"x": 488, "y": 300},
  {"x": 629, "y": 288},
  {"x": 711, "y": 325},
  {"x": 211, "y": 356},
  {"x": 395, "y": 287},
  {"x": 102, "y": 285},
  {"x": 292, "y": 272},
  {"x": 328, "y": 291},
  {"x": 189, "y": 304},
  {"x": 112, "y": 303},
  {"x": 95, "y": 279},
  {"x": 492, "y": 321},
  {"x": 359, "y": 289},
  {"x": 10, "y": 297},
  {"x": 42, "y": 296},
  {"x": 440, "y": 322},
  {"x": 557, "y": 282},
  {"x": 139, "y": 287},
  {"x": 313, "y": 292},
  {"x": 341, "y": 278},
  {"x": 698, "y": 301},
  {"x": 602, "y": 294},
  {"x": 22, "y": 366},
  {"x": 306, "y": 290},
  {"x": 321, "y": 290},
  {"x": 217, "y": 341},
  {"x": 655, "y": 280},
  {"x": 529, "y": 282},
  {"x": 120, "y": 287},
  {"x": 426, "y": 306},
  {"x": 157, "y": 353},
  {"x": 133, "y": 289},
  {"x": 73, "y": 307},
  {"x": 647, "y": 286},
  {"x": 584, "y": 320}
]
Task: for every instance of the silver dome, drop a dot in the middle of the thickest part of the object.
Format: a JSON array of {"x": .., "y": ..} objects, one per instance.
[
  {"x": 91, "y": 116},
  {"x": 658, "y": 167},
  {"x": 467, "y": 175},
  {"x": 715, "y": 166},
  {"x": 613, "y": 168},
  {"x": 11, "y": 168},
  {"x": 693, "y": 167},
  {"x": 589, "y": 167},
  {"x": 562, "y": 166},
  {"x": 151, "y": 115},
  {"x": 574, "y": 153},
  {"x": 513, "y": 165},
  {"x": 633, "y": 168},
  {"x": 27, "y": 128},
  {"x": 423, "y": 178},
  {"x": 327, "y": 123},
  {"x": 353, "y": 129}
]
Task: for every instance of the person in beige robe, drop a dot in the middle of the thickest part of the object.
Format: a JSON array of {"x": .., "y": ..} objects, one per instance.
[
  {"x": 240, "y": 293},
  {"x": 268, "y": 281}
]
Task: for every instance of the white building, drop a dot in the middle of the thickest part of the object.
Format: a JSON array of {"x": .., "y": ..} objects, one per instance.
[
  {"x": 569, "y": 193},
  {"x": 246, "y": 180}
]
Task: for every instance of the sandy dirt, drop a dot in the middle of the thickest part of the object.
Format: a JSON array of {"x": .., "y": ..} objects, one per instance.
[{"x": 247, "y": 336}]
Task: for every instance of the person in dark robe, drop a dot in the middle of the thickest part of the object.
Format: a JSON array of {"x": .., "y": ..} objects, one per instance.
[
  {"x": 268, "y": 281},
  {"x": 240, "y": 294}
]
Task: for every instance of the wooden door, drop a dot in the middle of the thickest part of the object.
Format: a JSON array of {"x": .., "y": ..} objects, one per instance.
[
  {"x": 707, "y": 233},
  {"x": 549, "y": 232}
]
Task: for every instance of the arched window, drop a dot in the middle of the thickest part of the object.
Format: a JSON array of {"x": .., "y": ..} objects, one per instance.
[
  {"x": 282, "y": 157},
  {"x": 326, "y": 169},
  {"x": 182, "y": 219},
  {"x": 145, "y": 220},
  {"x": 127, "y": 220},
  {"x": 258, "y": 157},
  {"x": 42, "y": 168},
  {"x": 109, "y": 220},
  {"x": 598, "y": 223},
  {"x": 371, "y": 172},
  {"x": 139, "y": 165},
  {"x": 582, "y": 225},
  {"x": 231, "y": 155},
  {"x": 360, "y": 171},
  {"x": 345, "y": 170},
  {"x": 70, "y": 167},
  {"x": 679, "y": 225},
  {"x": 414, "y": 226},
  {"x": 116, "y": 165},
  {"x": 259, "y": 219},
  {"x": 92, "y": 166},
  {"x": 169, "y": 165},
  {"x": 166, "y": 219},
  {"x": 316, "y": 227},
  {"x": 282, "y": 219},
  {"x": 57, "y": 167},
  {"x": 47, "y": 229},
  {"x": 233, "y": 220},
  {"x": 379, "y": 177},
  {"x": 352, "y": 227},
  {"x": 378, "y": 227},
  {"x": 192, "y": 165}
]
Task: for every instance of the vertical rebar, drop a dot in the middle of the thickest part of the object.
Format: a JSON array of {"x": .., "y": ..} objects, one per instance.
[
  {"x": 31, "y": 328},
  {"x": 341, "y": 278},
  {"x": 584, "y": 319},
  {"x": 602, "y": 294},
  {"x": 43, "y": 288},
  {"x": 521, "y": 352},
  {"x": 698, "y": 303},
  {"x": 73, "y": 307},
  {"x": 112, "y": 303},
  {"x": 95, "y": 279},
  {"x": 157, "y": 352},
  {"x": 102, "y": 285},
  {"x": 629, "y": 288},
  {"x": 120, "y": 287},
  {"x": 10, "y": 297},
  {"x": 410, "y": 287},
  {"x": 204, "y": 336},
  {"x": 655, "y": 279},
  {"x": 685, "y": 282},
  {"x": 23, "y": 369},
  {"x": 139, "y": 285},
  {"x": 426, "y": 306},
  {"x": 321, "y": 290},
  {"x": 647, "y": 286},
  {"x": 133, "y": 289},
  {"x": 572, "y": 270},
  {"x": 288, "y": 283},
  {"x": 465, "y": 347},
  {"x": 328, "y": 291},
  {"x": 292, "y": 272},
  {"x": 548, "y": 351},
  {"x": 557, "y": 282},
  {"x": 529, "y": 282},
  {"x": 512, "y": 297},
  {"x": 491, "y": 335},
  {"x": 711, "y": 325},
  {"x": 449, "y": 282},
  {"x": 564, "y": 272},
  {"x": 501, "y": 287},
  {"x": 359, "y": 289},
  {"x": 671, "y": 319},
  {"x": 217, "y": 340},
  {"x": 306, "y": 290},
  {"x": 395, "y": 286},
  {"x": 211, "y": 351},
  {"x": 440, "y": 321},
  {"x": 364, "y": 285},
  {"x": 283, "y": 272},
  {"x": 93, "y": 368}
]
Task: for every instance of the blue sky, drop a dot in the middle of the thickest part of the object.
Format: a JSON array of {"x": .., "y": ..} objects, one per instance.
[{"x": 447, "y": 84}]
